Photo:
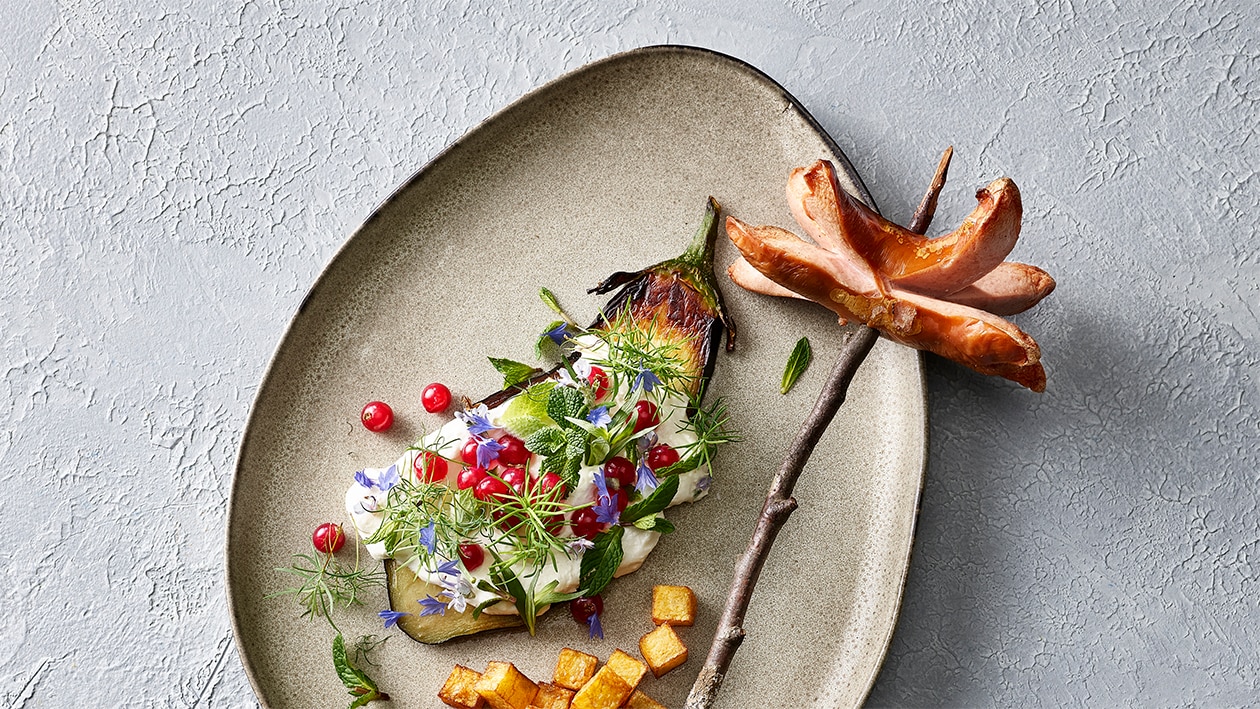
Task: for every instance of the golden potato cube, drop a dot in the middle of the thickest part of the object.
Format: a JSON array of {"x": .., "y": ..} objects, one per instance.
[
  {"x": 551, "y": 696},
  {"x": 574, "y": 669},
  {"x": 458, "y": 691},
  {"x": 606, "y": 690},
  {"x": 639, "y": 700},
  {"x": 675, "y": 605},
  {"x": 628, "y": 666},
  {"x": 662, "y": 649},
  {"x": 504, "y": 687}
]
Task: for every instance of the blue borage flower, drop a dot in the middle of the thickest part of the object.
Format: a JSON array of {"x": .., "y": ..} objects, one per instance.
[
  {"x": 428, "y": 537},
  {"x": 606, "y": 511},
  {"x": 387, "y": 479},
  {"x": 646, "y": 379},
  {"x": 646, "y": 481},
  {"x": 477, "y": 419},
  {"x": 391, "y": 617},
  {"x": 487, "y": 451},
  {"x": 597, "y": 630},
  {"x": 431, "y": 606},
  {"x": 599, "y": 417},
  {"x": 601, "y": 481},
  {"x": 559, "y": 333}
]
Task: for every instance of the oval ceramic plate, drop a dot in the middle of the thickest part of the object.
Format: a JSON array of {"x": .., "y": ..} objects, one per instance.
[{"x": 605, "y": 169}]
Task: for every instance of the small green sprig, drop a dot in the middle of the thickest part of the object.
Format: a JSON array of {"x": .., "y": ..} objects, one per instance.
[
  {"x": 635, "y": 347},
  {"x": 361, "y": 687},
  {"x": 327, "y": 584},
  {"x": 797, "y": 363},
  {"x": 711, "y": 426}
]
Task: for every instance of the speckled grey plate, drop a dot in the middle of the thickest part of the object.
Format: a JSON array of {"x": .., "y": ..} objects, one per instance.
[{"x": 602, "y": 170}]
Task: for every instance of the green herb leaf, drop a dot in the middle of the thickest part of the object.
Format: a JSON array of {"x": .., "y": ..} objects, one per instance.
[
  {"x": 797, "y": 363},
  {"x": 650, "y": 505},
  {"x": 600, "y": 562},
  {"x": 513, "y": 372},
  {"x": 360, "y": 686},
  {"x": 544, "y": 346},
  {"x": 564, "y": 402},
  {"x": 655, "y": 523},
  {"x": 501, "y": 575},
  {"x": 551, "y": 301},
  {"x": 476, "y": 612},
  {"x": 686, "y": 465},
  {"x": 546, "y": 441}
]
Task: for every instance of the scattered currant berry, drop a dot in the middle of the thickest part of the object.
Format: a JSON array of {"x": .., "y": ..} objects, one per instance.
[
  {"x": 435, "y": 398},
  {"x": 599, "y": 382},
  {"x": 468, "y": 453},
  {"x": 377, "y": 417},
  {"x": 620, "y": 498},
  {"x": 515, "y": 478},
  {"x": 585, "y": 523},
  {"x": 328, "y": 538},
  {"x": 490, "y": 489},
  {"x": 661, "y": 456},
  {"x": 430, "y": 467},
  {"x": 472, "y": 555},
  {"x": 583, "y": 608},
  {"x": 621, "y": 470},
  {"x": 469, "y": 477},
  {"x": 549, "y": 483},
  {"x": 514, "y": 451},
  {"x": 646, "y": 415}
]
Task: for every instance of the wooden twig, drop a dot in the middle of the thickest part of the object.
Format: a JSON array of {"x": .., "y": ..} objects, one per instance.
[{"x": 779, "y": 503}]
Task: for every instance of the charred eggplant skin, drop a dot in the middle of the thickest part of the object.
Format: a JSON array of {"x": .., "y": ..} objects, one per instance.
[{"x": 682, "y": 298}]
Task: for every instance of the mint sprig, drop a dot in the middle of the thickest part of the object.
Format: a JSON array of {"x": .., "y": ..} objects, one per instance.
[
  {"x": 513, "y": 372},
  {"x": 601, "y": 562},
  {"x": 360, "y": 686}
]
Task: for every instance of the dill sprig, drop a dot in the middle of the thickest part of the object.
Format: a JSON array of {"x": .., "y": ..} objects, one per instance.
[{"x": 328, "y": 583}]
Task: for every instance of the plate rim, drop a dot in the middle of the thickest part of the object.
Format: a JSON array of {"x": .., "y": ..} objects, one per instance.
[{"x": 845, "y": 165}]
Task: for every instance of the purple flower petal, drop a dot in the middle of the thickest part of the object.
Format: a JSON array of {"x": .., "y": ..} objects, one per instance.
[
  {"x": 597, "y": 630},
  {"x": 362, "y": 478},
  {"x": 558, "y": 334},
  {"x": 449, "y": 567},
  {"x": 428, "y": 537},
  {"x": 487, "y": 451},
  {"x": 477, "y": 420},
  {"x": 579, "y": 545},
  {"x": 601, "y": 482},
  {"x": 606, "y": 512},
  {"x": 646, "y": 481},
  {"x": 599, "y": 416},
  {"x": 704, "y": 483},
  {"x": 647, "y": 380},
  {"x": 391, "y": 617},
  {"x": 647, "y": 442},
  {"x": 389, "y": 478},
  {"x": 431, "y": 606}
]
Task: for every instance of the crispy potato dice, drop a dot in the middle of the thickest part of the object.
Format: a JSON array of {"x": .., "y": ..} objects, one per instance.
[
  {"x": 458, "y": 691},
  {"x": 574, "y": 669},
  {"x": 606, "y": 690},
  {"x": 628, "y": 666},
  {"x": 662, "y": 649},
  {"x": 551, "y": 696},
  {"x": 504, "y": 687},
  {"x": 639, "y": 700},
  {"x": 675, "y": 605}
]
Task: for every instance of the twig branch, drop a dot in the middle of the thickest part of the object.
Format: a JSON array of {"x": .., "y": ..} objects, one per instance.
[{"x": 779, "y": 503}]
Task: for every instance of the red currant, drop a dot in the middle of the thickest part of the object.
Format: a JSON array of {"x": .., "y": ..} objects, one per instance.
[
  {"x": 469, "y": 477},
  {"x": 435, "y": 398},
  {"x": 585, "y": 523},
  {"x": 489, "y": 489},
  {"x": 514, "y": 451},
  {"x": 328, "y": 538},
  {"x": 468, "y": 453},
  {"x": 430, "y": 467},
  {"x": 646, "y": 415},
  {"x": 507, "y": 522},
  {"x": 620, "y": 470},
  {"x": 551, "y": 486},
  {"x": 583, "y": 608},
  {"x": 621, "y": 498},
  {"x": 599, "y": 382},
  {"x": 514, "y": 477},
  {"x": 661, "y": 456},
  {"x": 472, "y": 555},
  {"x": 377, "y": 417}
]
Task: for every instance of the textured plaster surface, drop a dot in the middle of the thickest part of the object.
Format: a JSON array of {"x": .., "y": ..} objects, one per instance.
[{"x": 173, "y": 177}]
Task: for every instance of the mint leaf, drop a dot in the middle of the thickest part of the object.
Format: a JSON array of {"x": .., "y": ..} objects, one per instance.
[
  {"x": 546, "y": 441},
  {"x": 360, "y": 686},
  {"x": 513, "y": 372},
  {"x": 686, "y": 465},
  {"x": 564, "y": 402},
  {"x": 600, "y": 562},
  {"x": 551, "y": 301},
  {"x": 797, "y": 363},
  {"x": 544, "y": 346},
  {"x": 650, "y": 505},
  {"x": 655, "y": 523}
]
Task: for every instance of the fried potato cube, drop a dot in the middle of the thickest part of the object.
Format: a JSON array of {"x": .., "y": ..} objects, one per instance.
[
  {"x": 662, "y": 649},
  {"x": 551, "y": 696},
  {"x": 628, "y": 666},
  {"x": 675, "y": 605},
  {"x": 504, "y": 687},
  {"x": 606, "y": 690},
  {"x": 574, "y": 669},
  {"x": 639, "y": 700},
  {"x": 458, "y": 691}
]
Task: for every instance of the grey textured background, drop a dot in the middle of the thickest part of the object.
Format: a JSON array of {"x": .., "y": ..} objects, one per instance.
[{"x": 173, "y": 178}]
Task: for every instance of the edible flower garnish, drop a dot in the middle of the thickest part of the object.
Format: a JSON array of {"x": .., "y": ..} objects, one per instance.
[
  {"x": 559, "y": 333},
  {"x": 387, "y": 480},
  {"x": 456, "y": 591},
  {"x": 581, "y": 368},
  {"x": 606, "y": 512},
  {"x": 487, "y": 451},
  {"x": 646, "y": 379},
  {"x": 704, "y": 483},
  {"x": 477, "y": 419},
  {"x": 391, "y": 617},
  {"x": 646, "y": 481},
  {"x": 597, "y": 630},
  {"x": 577, "y": 545},
  {"x": 601, "y": 481},
  {"x": 599, "y": 417},
  {"x": 428, "y": 537},
  {"x": 431, "y": 606},
  {"x": 647, "y": 442},
  {"x": 448, "y": 567}
]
